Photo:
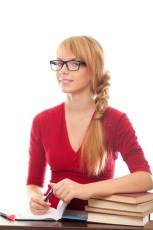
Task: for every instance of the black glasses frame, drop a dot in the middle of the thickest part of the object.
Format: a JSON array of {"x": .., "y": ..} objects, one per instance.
[{"x": 79, "y": 62}]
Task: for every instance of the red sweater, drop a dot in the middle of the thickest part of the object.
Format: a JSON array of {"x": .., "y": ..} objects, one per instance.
[{"x": 49, "y": 144}]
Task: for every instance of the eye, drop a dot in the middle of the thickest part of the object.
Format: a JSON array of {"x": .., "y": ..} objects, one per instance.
[
  {"x": 57, "y": 63},
  {"x": 74, "y": 63}
]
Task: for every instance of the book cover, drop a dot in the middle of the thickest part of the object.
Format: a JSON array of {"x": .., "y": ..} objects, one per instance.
[
  {"x": 117, "y": 212},
  {"x": 117, "y": 219},
  {"x": 129, "y": 198},
  {"x": 105, "y": 204},
  {"x": 75, "y": 215}
]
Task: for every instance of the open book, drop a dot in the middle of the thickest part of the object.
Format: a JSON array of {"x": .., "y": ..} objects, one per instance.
[{"x": 52, "y": 214}]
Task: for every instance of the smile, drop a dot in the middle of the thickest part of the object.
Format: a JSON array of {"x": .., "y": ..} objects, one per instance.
[{"x": 65, "y": 81}]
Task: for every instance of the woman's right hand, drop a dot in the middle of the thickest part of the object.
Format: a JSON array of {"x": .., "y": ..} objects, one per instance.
[{"x": 37, "y": 204}]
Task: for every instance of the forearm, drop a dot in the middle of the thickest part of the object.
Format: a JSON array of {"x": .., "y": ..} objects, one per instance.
[{"x": 134, "y": 182}]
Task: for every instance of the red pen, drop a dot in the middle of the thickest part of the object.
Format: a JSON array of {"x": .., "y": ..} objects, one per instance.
[{"x": 8, "y": 217}]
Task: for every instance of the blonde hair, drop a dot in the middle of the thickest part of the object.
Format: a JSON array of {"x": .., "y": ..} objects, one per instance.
[{"x": 93, "y": 150}]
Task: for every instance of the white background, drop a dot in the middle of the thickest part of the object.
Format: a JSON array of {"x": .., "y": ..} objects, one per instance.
[{"x": 30, "y": 31}]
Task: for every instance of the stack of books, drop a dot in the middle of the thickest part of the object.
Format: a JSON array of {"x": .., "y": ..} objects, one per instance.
[{"x": 122, "y": 209}]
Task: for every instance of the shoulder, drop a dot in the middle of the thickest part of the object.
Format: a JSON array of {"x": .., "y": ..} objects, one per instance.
[
  {"x": 49, "y": 114},
  {"x": 117, "y": 121},
  {"x": 113, "y": 115}
]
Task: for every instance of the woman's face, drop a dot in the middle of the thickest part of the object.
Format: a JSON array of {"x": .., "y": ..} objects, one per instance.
[{"x": 73, "y": 81}]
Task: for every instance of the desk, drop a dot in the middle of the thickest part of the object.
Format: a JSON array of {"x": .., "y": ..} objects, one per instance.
[{"x": 65, "y": 225}]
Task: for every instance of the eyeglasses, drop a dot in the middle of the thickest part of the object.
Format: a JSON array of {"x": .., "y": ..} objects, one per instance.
[{"x": 72, "y": 65}]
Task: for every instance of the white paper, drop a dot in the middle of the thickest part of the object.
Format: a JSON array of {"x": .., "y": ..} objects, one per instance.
[{"x": 25, "y": 214}]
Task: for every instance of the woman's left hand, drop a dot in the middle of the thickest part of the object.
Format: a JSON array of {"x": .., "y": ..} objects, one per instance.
[{"x": 67, "y": 189}]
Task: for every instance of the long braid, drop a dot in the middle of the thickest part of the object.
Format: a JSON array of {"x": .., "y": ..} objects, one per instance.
[
  {"x": 102, "y": 96},
  {"x": 94, "y": 153}
]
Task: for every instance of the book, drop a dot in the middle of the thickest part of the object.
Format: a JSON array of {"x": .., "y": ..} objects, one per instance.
[
  {"x": 121, "y": 209},
  {"x": 52, "y": 214},
  {"x": 129, "y": 198},
  {"x": 117, "y": 219},
  {"x": 105, "y": 204},
  {"x": 75, "y": 215},
  {"x": 117, "y": 212}
]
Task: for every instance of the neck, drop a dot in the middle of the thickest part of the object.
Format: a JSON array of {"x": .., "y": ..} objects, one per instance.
[{"x": 80, "y": 103}]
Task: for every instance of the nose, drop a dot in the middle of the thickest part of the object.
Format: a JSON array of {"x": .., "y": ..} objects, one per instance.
[{"x": 64, "y": 69}]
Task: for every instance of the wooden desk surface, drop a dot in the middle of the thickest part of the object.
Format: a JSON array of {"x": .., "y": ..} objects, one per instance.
[{"x": 64, "y": 225}]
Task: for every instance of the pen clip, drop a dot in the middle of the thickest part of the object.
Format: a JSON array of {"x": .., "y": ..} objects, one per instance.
[
  {"x": 48, "y": 190},
  {"x": 48, "y": 195}
]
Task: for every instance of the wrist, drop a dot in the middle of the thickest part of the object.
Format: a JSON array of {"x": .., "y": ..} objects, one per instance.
[{"x": 89, "y": 189}]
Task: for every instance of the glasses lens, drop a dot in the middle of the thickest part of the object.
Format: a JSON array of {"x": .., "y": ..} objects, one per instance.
[
  {"x": 56, "y": 65},
  {"x": 73, "y": 65}
]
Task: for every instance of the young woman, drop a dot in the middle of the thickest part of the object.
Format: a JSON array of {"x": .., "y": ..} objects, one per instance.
[{"x": 80, "y": 138}]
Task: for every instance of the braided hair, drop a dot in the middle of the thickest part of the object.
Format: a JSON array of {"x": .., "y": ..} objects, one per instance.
[{"x": 94, "y": 151}]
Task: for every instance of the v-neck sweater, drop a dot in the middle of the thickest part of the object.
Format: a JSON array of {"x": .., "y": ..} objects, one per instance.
[{"x": 49, "y": 144}]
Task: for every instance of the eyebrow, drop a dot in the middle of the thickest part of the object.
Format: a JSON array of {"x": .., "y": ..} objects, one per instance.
[{"x": 72, "y": 59}]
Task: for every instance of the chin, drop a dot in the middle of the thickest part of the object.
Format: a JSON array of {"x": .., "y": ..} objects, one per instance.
[{"x": 66, "y": 90}]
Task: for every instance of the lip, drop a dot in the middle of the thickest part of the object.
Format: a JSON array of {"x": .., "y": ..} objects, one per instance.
[{"x": 65, "y": 80}]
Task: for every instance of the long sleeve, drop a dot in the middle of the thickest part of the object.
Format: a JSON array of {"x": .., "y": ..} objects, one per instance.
[
  {"x": 127, "y": 144},
  {"x": 37, "y": 161}
]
